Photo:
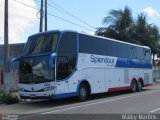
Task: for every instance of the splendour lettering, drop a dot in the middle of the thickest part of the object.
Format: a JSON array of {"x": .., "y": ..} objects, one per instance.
[{"x": 96, "y": 59}]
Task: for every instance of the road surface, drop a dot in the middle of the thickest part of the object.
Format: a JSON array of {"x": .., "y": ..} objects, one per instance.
[{"x": 124, "y": 102}]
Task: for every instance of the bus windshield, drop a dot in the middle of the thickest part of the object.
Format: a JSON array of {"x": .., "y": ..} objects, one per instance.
[
  {"x": 35, "y": 70},
  {"x": 41, "y": 43}
]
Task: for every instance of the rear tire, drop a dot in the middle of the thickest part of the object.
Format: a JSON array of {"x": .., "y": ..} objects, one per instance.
[
  {"x": 139, "y": 86},
  {"x": 133, "y": 86},
  {"x": 83, "y": 93}
]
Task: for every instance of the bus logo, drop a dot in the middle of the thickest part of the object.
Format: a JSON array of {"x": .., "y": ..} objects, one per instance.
[
  {"x": 97, "y": 59},
  {"x": 32, "y": 88}
]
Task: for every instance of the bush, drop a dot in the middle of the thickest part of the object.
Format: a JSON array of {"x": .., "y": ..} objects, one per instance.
[{"x": 9, "y": 98}]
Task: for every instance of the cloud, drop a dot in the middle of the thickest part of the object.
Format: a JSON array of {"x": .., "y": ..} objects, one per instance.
[
  {"x": 151, "y": 12},
  {"x": 21, "y": 18}
]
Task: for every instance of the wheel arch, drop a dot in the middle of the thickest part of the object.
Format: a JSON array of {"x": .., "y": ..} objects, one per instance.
[
  {"x": 133, "y": 79},
  {"x": 86, "y": 83}
]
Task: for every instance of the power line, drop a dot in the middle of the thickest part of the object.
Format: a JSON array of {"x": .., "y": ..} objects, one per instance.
[
  {"x": 26, "y": 5},
  {"x": 55, "y": 16},
  {"x": 70, "y": 22},
  {"x": 67, "y": 20},
  {"x": 59, "y": 8},
  {"x": 68, "y": 13}
]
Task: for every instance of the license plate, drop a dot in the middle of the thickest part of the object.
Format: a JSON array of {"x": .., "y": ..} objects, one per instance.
[{"x": 32, "y": 95}]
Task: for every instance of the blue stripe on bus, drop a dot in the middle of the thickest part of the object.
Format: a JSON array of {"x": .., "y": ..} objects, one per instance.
[
  {"x": 65, "y": 95},
  {"x": 123, "y": 62}
]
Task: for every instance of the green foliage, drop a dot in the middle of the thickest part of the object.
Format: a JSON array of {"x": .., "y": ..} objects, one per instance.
[
  {"x": 8, "y": 98},
  {"x": 122, "y": 26},
  {"x": 147, "y": 34}
]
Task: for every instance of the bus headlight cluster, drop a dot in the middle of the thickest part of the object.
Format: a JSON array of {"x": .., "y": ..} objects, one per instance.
[{"x": 48, "y": 88}]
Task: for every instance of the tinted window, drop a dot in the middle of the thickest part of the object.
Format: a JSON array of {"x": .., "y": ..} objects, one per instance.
[
  {"x": 87, "y": 44},
  {"x": 100, "y": 46},
  {"x": 67, "y": 54},
  {"x": 94, "y": 45},
  {"x": 147, "y": 54},
  {"x": 132, "y": 52},
  {"x": 111, "y": 48},
  {"x": 123, "y": 50},
  {"x": 68, "y": 43},
  {"x": 62, "y": 65},
  {"x": 35, "y": 70},
  {"x": 41, "y": 43},
  {"x": 140, "y": 53}
]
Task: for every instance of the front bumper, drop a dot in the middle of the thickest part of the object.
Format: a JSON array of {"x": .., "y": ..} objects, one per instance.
[{"x": 37, "y": 95}]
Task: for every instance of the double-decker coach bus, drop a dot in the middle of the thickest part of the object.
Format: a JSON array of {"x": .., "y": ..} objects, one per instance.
[{"x": 59, "y": 64}]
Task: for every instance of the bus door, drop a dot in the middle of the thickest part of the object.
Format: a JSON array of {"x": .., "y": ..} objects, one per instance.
[
  {"x": 61, "y": 74},
  {"x": 66, "y": 61}
]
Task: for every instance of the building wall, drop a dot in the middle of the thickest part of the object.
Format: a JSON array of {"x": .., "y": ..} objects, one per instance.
[
  {"x": 11, "y": 78},
  {"x": 14, "y": 51}
]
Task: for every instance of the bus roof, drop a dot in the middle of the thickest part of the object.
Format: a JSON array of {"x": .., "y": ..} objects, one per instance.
[{"x": 41, "y": 33}]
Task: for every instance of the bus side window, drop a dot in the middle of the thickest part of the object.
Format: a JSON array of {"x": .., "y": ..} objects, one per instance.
[
  {"x": 62, "y": 67},
  {"x": 140, "y": 53},
  {"x": 132, "y": 52},
  {"x": 122, "y": 50},
  {"x": 147, "y": 54}
]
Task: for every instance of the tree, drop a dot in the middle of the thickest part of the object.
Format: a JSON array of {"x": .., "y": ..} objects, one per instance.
[
  {"x": 147, "y": 34},
  {"x": 153, "y": 40},
  {"x": 141, "y": 29},
  {"x": 120, "y": 24}
]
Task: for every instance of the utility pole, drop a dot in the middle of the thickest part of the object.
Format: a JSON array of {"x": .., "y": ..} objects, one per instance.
[
  {"x": 45, "y": 15},
  {"x": 6, "y": 51},
  {"x": 6, "y": 54},
  {"x": 41, "y": 17}
]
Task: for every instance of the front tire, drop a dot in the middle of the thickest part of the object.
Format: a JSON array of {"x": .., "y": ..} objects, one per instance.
[{"x": 83, "y": 93}]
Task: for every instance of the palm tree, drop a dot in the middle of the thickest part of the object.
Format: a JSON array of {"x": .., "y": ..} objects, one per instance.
[
  {"x": 120, "y": 24},
  {"x": 154, "y": 39},
  {"x": 141, "y": 29},
  {"x": 147, "y": 34}
]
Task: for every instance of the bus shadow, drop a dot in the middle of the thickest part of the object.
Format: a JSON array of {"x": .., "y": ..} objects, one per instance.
[
  {"x": 73, "y": 100},
  {"x": 114, "y": 94}
]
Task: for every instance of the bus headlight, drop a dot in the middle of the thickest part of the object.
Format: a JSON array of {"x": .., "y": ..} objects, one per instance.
[{"x": 48, "y": 88}]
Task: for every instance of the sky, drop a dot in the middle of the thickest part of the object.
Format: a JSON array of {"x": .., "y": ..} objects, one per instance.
[{"x": 23, "y": 20}]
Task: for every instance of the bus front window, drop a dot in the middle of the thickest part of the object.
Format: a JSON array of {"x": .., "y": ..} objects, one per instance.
[
  {"x": 36, "y": 70},
  {"x": 41, "y": 43}
]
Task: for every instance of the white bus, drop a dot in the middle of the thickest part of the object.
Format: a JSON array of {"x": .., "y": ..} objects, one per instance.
[{"x": 60, "y": 64}]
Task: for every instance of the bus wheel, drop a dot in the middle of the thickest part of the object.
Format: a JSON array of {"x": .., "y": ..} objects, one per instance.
[
  {"x": 139, "y": 86},
  {"x": 133, "y": 86},
  {"x": 83, "y": 93}
]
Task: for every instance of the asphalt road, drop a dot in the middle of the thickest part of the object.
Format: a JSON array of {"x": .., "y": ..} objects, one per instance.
[{"x": 124, "y": 102}]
